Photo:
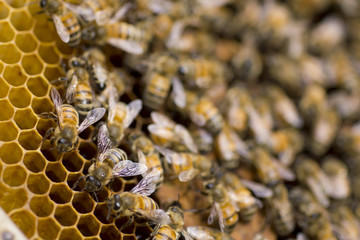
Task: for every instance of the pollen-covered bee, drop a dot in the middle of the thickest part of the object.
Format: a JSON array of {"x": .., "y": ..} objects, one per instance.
[
  {"x": 136, "y": 201},
  {"x": 166, "y": 133},
  {"x": 146, "y": 153},
  {"x": 186, "y": 166},
  {"x": 110, "y": 163},
  {"x": 201, "y": 232},
  {"x": 120, "y": 116},
  {"x": 65, "y": 135},
  {"x": 240, "y": 190},
  {"x": 65, "y": 21}
]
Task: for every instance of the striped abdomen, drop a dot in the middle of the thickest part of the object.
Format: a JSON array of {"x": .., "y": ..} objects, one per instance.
[
  {"x": 283, "y": 223},
  {"x": 83, "y": 99},
  {"x": 124, "y": 31},
  {"x": 72, "y": 25},
  {"x": 214, "y": 120},
  {"x": 165, "y": 232},
  {"x": 185, "y": 165},
  {"x": 153, "y": 162},
  {"x": 144, "y": 204},
  {"x": 69, "y": 115},
  {"x": 114, "y": 156},
  {"x": 96, "y": 5},
  {"x": 229, "y": 214},
  {"x": 156, "y": 91}
]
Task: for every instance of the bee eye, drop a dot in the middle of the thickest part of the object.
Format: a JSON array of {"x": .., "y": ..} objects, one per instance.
[
  {"x": 61, "y": 141},
  {"x": 209, "y": 186},
  {"x": 43, "y": 3},
  {"x": 117, "y": 206},
  {"x": 182, "y": 71}
]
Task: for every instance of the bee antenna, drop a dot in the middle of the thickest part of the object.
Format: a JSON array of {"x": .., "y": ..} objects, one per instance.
[
  {"x": 96, "y": 198},
  {"x": 77, "y": 183},
  {"x": 108, "y": 215},
  {"x": 31, "y": 3}
]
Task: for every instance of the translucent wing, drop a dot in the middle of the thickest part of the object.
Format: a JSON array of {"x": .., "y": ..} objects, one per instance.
[
  {"x": 128, "y": 168},
  {"x": 285, "y": 173},
  {"x": 186, "y": 138},
  {"x": 127, "y": 45},
  {"x": 317, "y": 190},
  {"x": 162, "y": 120},
  {"x": 161, "y": 132},
  {"x": 56, "y": 98},
  {"x": 198, "y": 119},
  {"x": 213, "y": 214},
  {"x": 92, "y": 117},
  {"x": 82, "y": 11},
  {"x": 113, "y": 96},
  {"x": 340, "y": 187},
  {"x": 178, "y": 93},
  {"x": 175, "y": 34},
  {"x": 132, "y": 110},
  {"x": 160, "y": 6},
  {"x": 258, "y": 189},
  {"x": 120, "y": 13},
  {"x": 103, "y": 142},
  {"x": 213, "y": 4},
  {"x": 325, "y": 182},
  {"x": 61, "y": 29},
  {"x": 301, "y": 236},
  {"x": 188, "y": 175},
  {"x": 70, "y": 91},
  {"x": 241, "y": 147},
  {"x": 102, "y": 17},
  {"x": 199, "y": 233},
  {"x": 186, "y": 235},
  {"x": 171, "y": 156},
  {"x": 142, "y": 160},
  {"x": 100, "y": 72},
  {"x": 147, "y": 185},
  {"x": 158, "y": 216}
]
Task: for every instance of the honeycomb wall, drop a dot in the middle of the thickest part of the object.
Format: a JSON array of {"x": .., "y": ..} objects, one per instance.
[{"x": 35, "y": 184}]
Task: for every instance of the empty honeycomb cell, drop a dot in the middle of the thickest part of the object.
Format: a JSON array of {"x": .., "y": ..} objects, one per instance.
[
  {"x": 32, "y": 64},
  {"x": 7, "y": 111},
  {"x": 88, "y": 225},
  {"x": 101, "y": 211},
  {"x": 14, "y": 176},
  {"x": 101, "y": 196},
  {"x": 41, "y": 206},
  {"x": 7, "y": 32},
  {"x": 70, "y": 233},
  {"x": 10, "y": 152},
  {"x": 117, "y": 185},
  {"x": 63, "y": 48},
  {"x": 37, "y": 86},
  {"x": 87, "y": 150},
  {"x": 72, "y": 179},
  {"x": 21, "y": 20},
  {"x": 8, "y": 131},
  {"x": 16, "y": 3},
  {"x": 87, "y": 133},
  {"x": 43, "y": 32},
  {"x": 25, "y": 220},
  {"x": 30, "y": 139},
  {"x": 34, "y": 161},
  {"x": 72, "y": 161},
  {"x": 38, "y": 183},
  {"x": 11, "y": 199},
  {"x": 65, "y": 215},
  {"x": 43, "y": 125},
  {"x": 121, "y": 221},
  {"x": 40, "y": 105},
  {"x": 4, "y": 88},
  {"x": 48, "y": 229},
  {"x": 142, "y": 232},
  {"x": 109, "y": 232},
  {"x": 4, "y": 11},
  {"x": 9, "y": 53},
  {"x": 19, "y": 97},
  {"x": 52, "y": 73},
  {"x": 83, "y": 203},
  {"x": 50, "y": 154},
  {"x": 25, "y": 118},
  {"x": 60, "y": 193},
  {"x": 25, "y": 42},
  {"x": 48, "y": 54},
  {"x": 14, "y": 75},
  {"x": 55, "y": 172},
  {"x": 129, "y": 237}
]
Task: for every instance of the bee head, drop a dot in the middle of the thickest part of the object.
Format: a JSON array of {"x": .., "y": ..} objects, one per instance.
[
  {"x": 114, "y": 202},
  {"x": 43, "y": 3},
  {"x": 92, "y": 184},
  {"x": 182, "y": 71},
  {"x": 49, "y": 6},
  {"x": 64, "y": 145},
  {"x": 76, "y": 62}
]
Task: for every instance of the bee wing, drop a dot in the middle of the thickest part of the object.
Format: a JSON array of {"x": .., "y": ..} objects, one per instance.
[
  {"x": 92, "y": 117},
  {"x": 171, "y": 156},
  {"x": 241, "y": 147},
  {"x": 142, "y": 160},
  {"x": 198, "y": 119},
  {"x": 213, "y": 214},
  {"x": 158, "y": 216},
  {"x": 188, "y": 175},
  {"x": 258, "y": 189},
  {"x": 113, "y": 96},
  {"x": 129, "y": 46},
  {"x": 301, "y": 236},
  {"x": 63, "y": 33},
  {"x": 103, "y": 142},
  {"x": 82, "y": 11},
  {"x": 220, "y": 217},
  {"x": 213, "y": 4},
  {"x": 318, "y": 192},
  {"x": 186, "y": 138},
  {"x": 56, "y": 98},
  {"x": 175, "y": 34},
  {"x": 147, "y": 185},
  {"x": 162, "y": 120},
  {"x": 326, "y": 183},
  {"x": 186, "y": 235},
  {"x": 199, "y": 233},
  {"x": 102, "y": 17},
  {"x": 285, "y": 173},
  {"x": 70, "y": 91},
  {"x": 100, "y": 72},
  {"x": 161, "y": 132},
  {"x": 341, "y": 187},
  {"x": 132, "y": 110},
  {"x": 160, "y": 6},
  {"x": 120, "y": 13},
  {"x": 178, "y": 93},
  {"x": 128, "y": 168}
]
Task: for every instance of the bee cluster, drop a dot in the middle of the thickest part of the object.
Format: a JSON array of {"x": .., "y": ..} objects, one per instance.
[{"x": 234, "y": 108}]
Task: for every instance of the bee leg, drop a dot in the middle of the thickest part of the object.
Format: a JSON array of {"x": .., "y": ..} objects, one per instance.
[
  {"x": 128, "y": 223},
  {"x": 77, "y": 182},
  {"x": 60, "y": 80},
  {"x": 47, "y": 135},
  {"x": 47, "y": 115}
]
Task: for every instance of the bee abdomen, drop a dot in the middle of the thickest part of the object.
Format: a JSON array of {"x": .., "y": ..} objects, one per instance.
[
  {"x": 72, "y": 25},
  {"x": 69, "y": 115},
  {"x": 246, "y": 214},
  {"x": 83, "y": 99},
  {"x": 156, "y": 91},
  {"x": 230, "y": 215},
  {"x": 165, "y": 232},
  {"x": 116, "y": 155}
]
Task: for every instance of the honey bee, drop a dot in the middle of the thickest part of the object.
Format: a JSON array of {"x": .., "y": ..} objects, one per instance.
[
  {"x": 127, "y": 37},
  {"x": 158, "y": 80},
  {"x": 203, "y": 140},
  {"x": 65, "y": 21},
  {"x": 146, "y": 154},
  {"x": 166, "y": 133},
  {"x": 110, "y": 163},
  {"x": 120, "y": 116},
  {"x": 206, "y": 233},
  {"x": 258, "y": 125},
  {"x": 66, "y": 133},
  {"x": 337, "y": 174},
  {"x": 348, "y": 139},
  {"x": 239, "y": 192},
  {"x": 283, "y": 220},
  {"x": 309, "y": 173},
  {"x": 312, "y": 218},
  {"x": 185, "y": 166},
  {"x": 345, "y": 223},
  {"x": 136, "y": 201},
  {"x": 230, "y": 148}
]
